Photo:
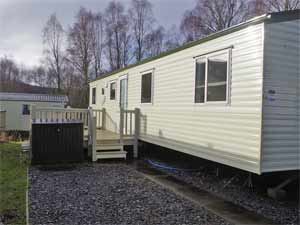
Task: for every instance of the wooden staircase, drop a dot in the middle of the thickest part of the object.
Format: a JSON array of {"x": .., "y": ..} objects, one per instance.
[
  {"x": 109, "y": 149},
  {"x": 107, "y": 144}
]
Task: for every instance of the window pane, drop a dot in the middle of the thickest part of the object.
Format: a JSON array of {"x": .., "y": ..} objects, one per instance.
[
  {"x": 217, "y": 78},
  {"x": 113, "y": 91},
  {"x": 146, "y": 88},
  {"x": 200, "y": 82},
  {"x": 217, "y": 71},
  {"x": 94, "y": 96},
  {"x": 216, "y": 93}
]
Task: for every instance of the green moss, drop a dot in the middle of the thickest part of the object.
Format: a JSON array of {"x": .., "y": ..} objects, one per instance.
[{"x": 13, "y": 184}]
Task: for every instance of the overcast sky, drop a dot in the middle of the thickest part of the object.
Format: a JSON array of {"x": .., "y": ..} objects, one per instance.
[{"x": 21, "y": 21}]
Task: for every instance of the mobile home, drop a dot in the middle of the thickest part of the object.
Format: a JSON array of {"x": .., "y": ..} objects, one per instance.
[
  {"x": 232, "y": 97},
  {"x": 15, "y": 108}
]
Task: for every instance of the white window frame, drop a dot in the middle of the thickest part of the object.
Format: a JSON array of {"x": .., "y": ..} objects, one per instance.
[
  {"x": 152, "y": 86},
  {"x": 204, "y": 58}
]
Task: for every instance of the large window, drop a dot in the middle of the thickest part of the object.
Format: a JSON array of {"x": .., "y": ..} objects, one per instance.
[
  {"x": 211, "y": 83},
  {"x": 146, "y": 93},
  {"x": 26, "y": 110},
  {"x": 112, "y": 90},
  {"x": 93, "y": 95}
]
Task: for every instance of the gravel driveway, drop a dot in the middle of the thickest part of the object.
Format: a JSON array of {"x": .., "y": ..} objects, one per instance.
[{"x": 107, "y": 194}]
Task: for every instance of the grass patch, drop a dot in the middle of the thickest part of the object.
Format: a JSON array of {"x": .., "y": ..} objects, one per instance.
[{"x": 13, "y": 184}]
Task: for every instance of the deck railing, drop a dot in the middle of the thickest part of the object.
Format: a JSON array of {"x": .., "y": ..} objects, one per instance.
[
  {"x": 2, "y": 120},
  {"x": 92, "y": 119},
  {"x": 51, "y": 114},
  {"x": 129, "y": 126},
  {"x": 100, "y": 115}
]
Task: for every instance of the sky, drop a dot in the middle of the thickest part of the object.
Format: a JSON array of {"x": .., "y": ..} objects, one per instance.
[{"x": 22, "y": 21}]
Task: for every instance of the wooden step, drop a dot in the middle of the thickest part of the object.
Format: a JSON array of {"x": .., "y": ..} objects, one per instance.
[
  {"x": 115, "y": 146},
  {"x": 111, "y": 155},
  {"x": 108, "y": 141}
]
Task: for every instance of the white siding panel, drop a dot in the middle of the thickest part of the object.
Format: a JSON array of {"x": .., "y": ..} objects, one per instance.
[
  {"x": 226, "y": 133},
  {"x": 281, "y": 135}
]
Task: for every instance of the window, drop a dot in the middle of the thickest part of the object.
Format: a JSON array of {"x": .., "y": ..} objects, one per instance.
[
  {"x": 146, "y": 93},
  {"x": 113, "y": 91},
  {"x": 25, "y": 110},
  {"x": 211, "y": 78},
  {"x": 103, "y": 91},
  {"x": 200, "y": 81},
  {"x": 94, "y": 96}
]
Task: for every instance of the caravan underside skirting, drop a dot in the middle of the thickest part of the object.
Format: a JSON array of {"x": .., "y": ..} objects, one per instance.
[{"x": 238, "y": 161}]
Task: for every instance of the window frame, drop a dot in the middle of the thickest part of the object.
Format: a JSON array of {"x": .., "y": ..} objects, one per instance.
[
  {"x": 110, "y": 83},
  {"x": 28, "y": 110},
  {"x": 205, "y": 58},
  {"x": 152, "y": 86},
  {"x": 94, "y": 98}
]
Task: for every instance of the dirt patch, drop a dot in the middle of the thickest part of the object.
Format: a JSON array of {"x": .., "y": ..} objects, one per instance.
[{"x": 8, "y": 216}]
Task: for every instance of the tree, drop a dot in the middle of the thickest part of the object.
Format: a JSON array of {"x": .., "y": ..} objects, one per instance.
[
  {"x": 191, "y": 25},
  {"x": 53, "y": 39},
  {"x": 8, "y": 69},
  {"x": 282, "y": 5},
  {"x": 141, "y": 17},
  {"x": 155, "y": 42},
  {"x": 173, "y": 39},
  {"x": 81, "y": 36},
  {"x": 210, "y": 16},
  {"x": 117, "y": 35},
  {"x": 98, "y": 43},
  {"x": 38, "y": 76}
]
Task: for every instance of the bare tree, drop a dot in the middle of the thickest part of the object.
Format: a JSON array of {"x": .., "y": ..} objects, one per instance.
[
  {"x": 53, "y": 39},
  {"x": 38, "y": 76},
  {"x": 282, "y": 5},
  {"x": 173, "y": 39},
  {"x": 8, "y": 69},
  {"x": 81, "y": 36},
  {"x": 98, "y": 43},
  {"x": 155, "y": 42},
  {"x": 141, "y": 17},
  {"x": 191, "y": 25},
  {"x": 117, "y": 35},
  {"x": 210, "y": 16}
]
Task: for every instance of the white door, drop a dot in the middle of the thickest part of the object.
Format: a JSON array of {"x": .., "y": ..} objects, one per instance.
[{"x": 123, "y": 92}]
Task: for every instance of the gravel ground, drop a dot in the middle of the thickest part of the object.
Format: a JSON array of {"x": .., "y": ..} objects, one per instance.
[
  {"x": 232, "y": 189},
  {"x": 107, "y": 194}
]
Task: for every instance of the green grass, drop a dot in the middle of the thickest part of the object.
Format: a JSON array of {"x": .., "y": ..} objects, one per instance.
[{"x": 13, "y": 184}]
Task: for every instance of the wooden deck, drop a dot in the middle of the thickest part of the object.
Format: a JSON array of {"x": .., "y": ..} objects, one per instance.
[
  {"x": 106, "y": 135},
  {"x": 109, "y": 135},
  {"x": 103, "y": 143}
]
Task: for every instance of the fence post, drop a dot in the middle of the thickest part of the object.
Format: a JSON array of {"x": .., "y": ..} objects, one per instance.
[
  {"x": 32, "y": 119},
  {"x": 136, "y": 132},
  {"x": 103, "y": 118},
  {"x": 33, "y": 113},
  {"x": 94, "y": 153},
  {"x": 121, "y": 125},
  {"x": 90, "y": 131}
]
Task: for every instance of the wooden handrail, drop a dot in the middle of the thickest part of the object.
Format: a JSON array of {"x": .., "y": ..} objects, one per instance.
[
  {"x": 51, "y": 114},
  {"x": 136, "y": 132},
  {"x": 126, "y": 126}
]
